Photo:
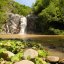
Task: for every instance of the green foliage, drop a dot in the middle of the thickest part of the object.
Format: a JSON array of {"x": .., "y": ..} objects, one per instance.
[
  {"x": 17, "y": 47},
  {"x": 39, "y": 61},
  {"x": 10, "y": 6},
  {"x": 17, "y": 57},
  {"x": 49, "y": 11},
  {"x": 21, "y": 9},
  {"x": 57, "y": 31},
  {"x": 2, "y": 50},
  {"x": 39, "y": 5},
  {"x": 42, "y": 53}
]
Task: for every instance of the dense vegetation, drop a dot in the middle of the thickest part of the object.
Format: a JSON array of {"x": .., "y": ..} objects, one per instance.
[
  {"x": 51, "y": 16},
  {"x": 10, "y": 6},
  {"x": 17, "y": 47},
  {"x": 50, "y": 21}
]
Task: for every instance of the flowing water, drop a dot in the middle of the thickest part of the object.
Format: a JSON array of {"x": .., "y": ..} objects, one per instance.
[{"x": 23, "y": 25}]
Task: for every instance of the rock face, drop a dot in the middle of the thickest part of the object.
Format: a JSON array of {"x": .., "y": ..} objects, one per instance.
[
  {"x": 15, "y": 24},
  {"x": 19, "y": 24},
  {"x": 31, "y": 23},
  {"x": 30, "y": 53},
  {"x": 52, "y": 58},
  {"x": 24, "y": 62}
]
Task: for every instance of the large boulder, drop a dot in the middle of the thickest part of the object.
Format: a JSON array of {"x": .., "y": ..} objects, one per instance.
[
  {"x": 52, "y": 58},
  {"x": 10, "y": 54},
  {"x": 30, "y": 53},
  {"x": 24, "y": 62},
  {"x": 11, "y": 26}
]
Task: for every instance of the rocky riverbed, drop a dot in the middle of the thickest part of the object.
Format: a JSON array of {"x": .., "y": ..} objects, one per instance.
[
  {"x": 20, "y": 52},
  {"x": 33, "y": 54}
]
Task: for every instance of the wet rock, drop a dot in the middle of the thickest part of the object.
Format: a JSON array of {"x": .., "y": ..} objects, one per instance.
[
  {"x": 61, "y": 61},
  {"x": 14, "y": 24},
  {"x": 31, "y": 23},
  {"x": 30, "y": 53},
  {"x": 52, "y": 58},
  {"x": 10, "y": 54},
  {"x": 7, "y": 55},
  {"x": 24, "y": 62}
]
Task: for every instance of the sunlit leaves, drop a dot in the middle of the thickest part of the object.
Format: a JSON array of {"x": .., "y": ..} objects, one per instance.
[
  {"x": 49, "y": 11},
  {"x": 10, "y": 6}
]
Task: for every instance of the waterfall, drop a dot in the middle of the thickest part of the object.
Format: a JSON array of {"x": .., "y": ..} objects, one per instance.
[
  {"x": 16, "y": 24},
  {"x": 23, "y": 24}
]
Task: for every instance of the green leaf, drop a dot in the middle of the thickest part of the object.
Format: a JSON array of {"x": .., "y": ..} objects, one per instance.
[{"x": 42, "y": 53}]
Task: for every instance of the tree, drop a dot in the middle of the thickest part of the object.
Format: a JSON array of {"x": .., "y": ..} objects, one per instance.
[
  {"x": 10, "y": 6},
  {"x": 51, "y": 15}
]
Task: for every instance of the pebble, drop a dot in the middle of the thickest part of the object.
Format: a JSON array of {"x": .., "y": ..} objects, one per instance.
[
  {"x": 24, "y": 62},
  {"x": 52, "y": 58}
]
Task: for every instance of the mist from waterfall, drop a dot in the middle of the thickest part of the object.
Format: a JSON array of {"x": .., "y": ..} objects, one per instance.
[{"x": 23, "y": 24}]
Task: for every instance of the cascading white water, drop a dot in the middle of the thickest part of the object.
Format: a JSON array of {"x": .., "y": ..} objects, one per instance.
[
  {"x": 16, "y": 24},
  {"x": 23, "y": 24}
]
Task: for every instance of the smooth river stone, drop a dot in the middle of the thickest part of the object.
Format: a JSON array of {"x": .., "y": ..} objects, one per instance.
[
  {"x": 24, "y": 62},
  {"x": 30, "y": 53},
  {"x": 10, "y": 54},
  {"x": 52, "y": 58}
]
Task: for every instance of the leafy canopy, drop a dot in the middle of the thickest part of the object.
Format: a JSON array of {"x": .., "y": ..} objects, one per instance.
[
  {"x": 10, "y": 6},
  {"x": 51, "y": 15}
]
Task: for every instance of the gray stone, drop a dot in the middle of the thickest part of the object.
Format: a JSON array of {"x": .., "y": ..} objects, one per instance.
[
  {"x": 30, "y": 53},
  {"x": 13, "y": 24},
  {"x": 7, "y": 55},
  {"x": 24, "y": 62},
  {"x": 52, "y": 58}
]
